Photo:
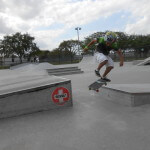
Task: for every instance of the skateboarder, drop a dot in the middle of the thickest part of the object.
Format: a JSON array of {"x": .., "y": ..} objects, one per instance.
[{"x": 105, "y": 45}]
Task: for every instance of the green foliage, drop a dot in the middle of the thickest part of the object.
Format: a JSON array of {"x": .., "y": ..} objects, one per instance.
[
  {"x": 139, "y": 43},
  {"x": 22, "y": 45},
  {"x": 70, "y": 47},
  {"x": 18, "y": 44}
]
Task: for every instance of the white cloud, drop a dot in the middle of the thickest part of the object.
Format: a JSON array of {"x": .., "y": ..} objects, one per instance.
[
  {"x": 140, "y": 12},
  {"x": 36, "y": 16},
  {"x": 25, "y": 9},
  {"x": 4, "y": 29},
  {"x": 47, "y": 37},
  {"x": 140, "y": 27}
]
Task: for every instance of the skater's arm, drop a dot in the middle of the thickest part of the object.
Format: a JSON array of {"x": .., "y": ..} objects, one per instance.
[
  {"x": 121, "y": 57},
  {"x": 91, "y": 43}
]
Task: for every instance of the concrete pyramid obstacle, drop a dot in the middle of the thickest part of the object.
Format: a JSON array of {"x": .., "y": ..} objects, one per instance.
[{"x": 145, "y": 62}]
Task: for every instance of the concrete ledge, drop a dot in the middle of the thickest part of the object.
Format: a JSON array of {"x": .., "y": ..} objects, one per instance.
[
  {"x": 127, "y": 94},
  {"x": 145, "y": 62},
  {"x": 33, "y": 95}
]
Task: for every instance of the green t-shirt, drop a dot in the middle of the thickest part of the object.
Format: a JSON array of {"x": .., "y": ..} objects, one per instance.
[{"x": 103, "y": 48}]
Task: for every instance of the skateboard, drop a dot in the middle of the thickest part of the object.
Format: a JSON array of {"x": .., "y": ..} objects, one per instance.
[{"x": 97, "y": 84}]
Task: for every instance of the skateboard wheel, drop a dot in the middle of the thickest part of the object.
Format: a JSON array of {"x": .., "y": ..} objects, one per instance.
[{"x": 97, "y": 90}]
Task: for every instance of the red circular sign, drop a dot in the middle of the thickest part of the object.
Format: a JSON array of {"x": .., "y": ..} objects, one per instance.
[{"x": 60, "y": 95}]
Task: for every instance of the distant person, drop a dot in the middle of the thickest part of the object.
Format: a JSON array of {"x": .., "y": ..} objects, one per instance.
[
  {"x": 105, "y": 45},
  {"x": 34, "y": 59},
  {"x": 37, "y": 59}
]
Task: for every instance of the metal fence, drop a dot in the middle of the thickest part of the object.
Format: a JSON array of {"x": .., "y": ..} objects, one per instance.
[
  {"x": 62, "y": 59},
  {"x": 128, "y": 56},
  {"x": 131, "y": 56}
]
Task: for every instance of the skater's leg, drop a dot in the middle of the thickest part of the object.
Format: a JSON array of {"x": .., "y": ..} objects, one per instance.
[
  {"x": 108, "y": 69},
  {"x": 102, "y": 60},
  {"x": 102, "y": 64},
  {"x": 97, "y": 71}
]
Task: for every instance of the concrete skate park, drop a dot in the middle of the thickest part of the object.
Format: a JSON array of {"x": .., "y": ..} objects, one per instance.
[{"x": 116, "y": 118}]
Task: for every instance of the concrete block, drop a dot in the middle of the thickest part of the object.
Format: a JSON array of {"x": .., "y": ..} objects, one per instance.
[
  {"x": 38, "y": 94},
  {"x": 127, "y": 94}
]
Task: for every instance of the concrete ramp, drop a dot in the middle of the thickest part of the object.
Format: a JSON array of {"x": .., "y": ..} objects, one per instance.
[
  {"x": 88, "y": 63},
  {"x": 127, "y": 94},
  {"x": 87, "y": 60},
  {"x": 32, "y": 66},
  {"x": 145, "y": 62},
  {"x": 33, "y": 94}
]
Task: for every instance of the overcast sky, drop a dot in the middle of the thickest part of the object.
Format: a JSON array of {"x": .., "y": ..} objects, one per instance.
[{"x": 53, "y": 21}]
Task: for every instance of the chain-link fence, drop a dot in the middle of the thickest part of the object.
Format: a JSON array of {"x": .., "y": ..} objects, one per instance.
[
  {"x": 62, "y": 59},
  {"x": 7, "y": 62},
  {"x": 131, "y": 55}
]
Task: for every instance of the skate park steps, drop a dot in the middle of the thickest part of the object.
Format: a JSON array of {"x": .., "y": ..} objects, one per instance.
[
  {"x": 31, "y": 94},
  {"x": 127, "y": 94},
  {"x": 64, "y": 71}
]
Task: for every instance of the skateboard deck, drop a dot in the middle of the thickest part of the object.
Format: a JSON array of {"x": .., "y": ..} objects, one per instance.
[{"x": 97, "y": 84}]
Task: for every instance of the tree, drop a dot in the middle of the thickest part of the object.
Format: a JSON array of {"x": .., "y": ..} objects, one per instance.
[
  {"x": 140, "y": 43},
  {"x": 69, "y": 48},
  {"x": 18, "y": 44}
]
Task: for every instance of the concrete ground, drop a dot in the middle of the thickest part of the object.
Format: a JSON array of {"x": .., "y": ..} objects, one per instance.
[{"x": 91, "y": 124}]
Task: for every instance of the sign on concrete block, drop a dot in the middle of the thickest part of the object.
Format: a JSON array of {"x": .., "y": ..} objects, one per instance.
[
  {"x": 34, "y": 95},
  {"x": 60, "y": 96}
]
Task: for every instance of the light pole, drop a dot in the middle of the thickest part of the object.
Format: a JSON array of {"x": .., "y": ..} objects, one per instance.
[{"x": 78, "y": 28}]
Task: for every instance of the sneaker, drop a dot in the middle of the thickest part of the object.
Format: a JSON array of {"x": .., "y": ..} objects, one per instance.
[
  {"x": 106, "y": 79},
  {"x": 97, "y": 73}
]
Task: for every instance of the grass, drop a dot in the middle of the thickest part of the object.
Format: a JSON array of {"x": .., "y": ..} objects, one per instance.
[{"x": 4, "y": 67}]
